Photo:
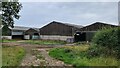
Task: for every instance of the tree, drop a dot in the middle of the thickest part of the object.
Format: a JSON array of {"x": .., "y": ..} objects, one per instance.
[{"x": 10, "y": 10}]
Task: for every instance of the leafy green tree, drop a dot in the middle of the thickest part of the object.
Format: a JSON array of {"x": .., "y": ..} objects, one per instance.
[{"x": 10, "y": 10}]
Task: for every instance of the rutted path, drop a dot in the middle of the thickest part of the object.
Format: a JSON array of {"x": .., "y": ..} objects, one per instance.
[
  {"x": 37, "y": 55},
  {"x": 31, "y": 58},
  {"x": 50, "y": 60}
]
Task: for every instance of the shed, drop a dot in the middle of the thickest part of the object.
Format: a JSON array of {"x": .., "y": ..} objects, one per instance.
[
  {"x": 32, "y": 33},
  {"x": 18, "y": 32}
]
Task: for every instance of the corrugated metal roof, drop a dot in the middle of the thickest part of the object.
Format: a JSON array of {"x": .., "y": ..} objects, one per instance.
[
  {"x": 97, "y": 26},
  {"x": 68, "y": 24},
  {"x": 20, "y": 28},
  {"x": 37, "y": 29},
  {"x": 73, "y": 25}
]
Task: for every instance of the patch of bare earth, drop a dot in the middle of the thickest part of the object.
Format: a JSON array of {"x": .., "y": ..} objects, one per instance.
[
  {"x": 40, "y": 57},
  {"x": 49, "y": 60}
]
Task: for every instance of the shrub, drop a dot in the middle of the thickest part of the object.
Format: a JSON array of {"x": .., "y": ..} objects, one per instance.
[
  {"x": 107, "y": 41},
  {"x": 96, "y": 51},
  {"x": 107, "y": 37}
]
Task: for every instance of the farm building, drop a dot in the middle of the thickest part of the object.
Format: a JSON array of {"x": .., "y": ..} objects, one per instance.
[
  {"x": 58, "y": 31},
  {"x": 20, "y": 32},
  {"x": 55, "y": 31},
  {"x": 86, "y": 33},
  {"x": 32, "y": 33}
]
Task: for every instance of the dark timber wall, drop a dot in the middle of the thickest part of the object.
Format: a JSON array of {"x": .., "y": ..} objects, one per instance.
[
  {"x": 31, "y": 32},
  {"x": 55, "y": 28},
  {"x": 87, "y": 33},
  {"x": 97, "y": 26}
]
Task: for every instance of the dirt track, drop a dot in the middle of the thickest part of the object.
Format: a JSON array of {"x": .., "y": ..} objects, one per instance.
[{"x": 31, "y": 59}]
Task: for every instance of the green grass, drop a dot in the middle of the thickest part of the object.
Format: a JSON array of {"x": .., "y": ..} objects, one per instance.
[
  {"x": 45, "y": 42},
  {"x": 12, "y": 55},
  {"x": 96, "y": 61},
  {"x": 73, "y": 55},
  {"x": 5, "y": 40}
]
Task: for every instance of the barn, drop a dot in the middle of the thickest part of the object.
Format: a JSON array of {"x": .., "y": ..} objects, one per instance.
[
  {"x": 86, "y": 33},
  {"x": 18, "y": 32},
  {"x": 58, "y": 31},
  {"x": 32, "y": 33}
]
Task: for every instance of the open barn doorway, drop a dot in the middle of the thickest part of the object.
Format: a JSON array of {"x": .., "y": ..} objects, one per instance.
[
  {"x": 19, "y": 37},
  {"x": 80, "y": 36}
]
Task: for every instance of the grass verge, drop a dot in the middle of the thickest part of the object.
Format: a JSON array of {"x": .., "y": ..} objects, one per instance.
[
  {"x": 45, "y": 42},
  {"x": 5, "y": 40}
]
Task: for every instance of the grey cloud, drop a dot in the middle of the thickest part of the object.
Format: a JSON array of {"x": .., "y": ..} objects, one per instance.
[{"x": 82, "y": 13}]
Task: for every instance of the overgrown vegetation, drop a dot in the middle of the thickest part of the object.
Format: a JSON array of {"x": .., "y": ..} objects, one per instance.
[
  {"x": 45, "y": 42},
  {"x": 107, "y": 42},
  {"x": 76, "y": 55},
  {"x": 104, "y": 50},
  {"x": 12, "y": 55},
  {"x": 6, "y": 31}
]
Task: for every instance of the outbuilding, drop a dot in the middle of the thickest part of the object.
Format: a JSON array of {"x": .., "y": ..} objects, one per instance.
[
  {"x": 32, "y": 33},
  {"x": 18, "y": 32},
  {"x": 86, "y": 33},
  {"x": 58, "y": 31}
]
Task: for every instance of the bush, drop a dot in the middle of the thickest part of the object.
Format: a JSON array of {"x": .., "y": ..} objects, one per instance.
[
  {"x": 97, "y": 51},
  {"x": 107, "y": 39}
]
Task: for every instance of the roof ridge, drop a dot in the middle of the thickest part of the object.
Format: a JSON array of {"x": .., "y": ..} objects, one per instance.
[{"x": 69, "y": 24}]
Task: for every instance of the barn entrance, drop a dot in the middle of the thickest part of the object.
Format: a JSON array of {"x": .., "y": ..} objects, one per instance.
[
  {"x": 17, "y": 37},
  {"x": 80, "y": 36},
  {"x": 35, "y": 36},
  {"x": 32, "y": 34}
]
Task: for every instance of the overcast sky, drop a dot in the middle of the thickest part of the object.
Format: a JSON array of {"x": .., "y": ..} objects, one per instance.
[{"x": 38, "y": 14}]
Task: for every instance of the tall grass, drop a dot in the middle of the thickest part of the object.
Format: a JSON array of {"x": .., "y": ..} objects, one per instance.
[
  {"x": 96, "y": 61},
  {"x": 76, "y": 56},
  {"x": 12, "y": 55}
]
